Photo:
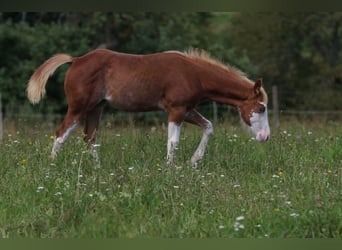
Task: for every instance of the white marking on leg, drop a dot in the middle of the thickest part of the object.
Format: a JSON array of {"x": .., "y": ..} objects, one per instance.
[
  {"x": 199, "y": 153},
  {"x": 58, "y": 142},
  {"x": 172, "y": 140}
]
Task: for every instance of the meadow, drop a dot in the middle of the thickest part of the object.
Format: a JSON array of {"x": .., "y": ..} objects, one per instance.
[{"x": 289, "y": 187}]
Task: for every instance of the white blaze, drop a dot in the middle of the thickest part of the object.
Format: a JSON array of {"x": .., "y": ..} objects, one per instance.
[{"x": 259, "y": 125}]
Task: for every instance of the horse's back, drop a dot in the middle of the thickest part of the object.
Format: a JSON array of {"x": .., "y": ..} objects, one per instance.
[{"x": 133, "y": 82}]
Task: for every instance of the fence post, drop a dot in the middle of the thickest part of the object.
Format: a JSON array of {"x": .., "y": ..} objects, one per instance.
[
  {"x": 275, "y": 103},
  {"x": 1, "y": 126},
  {"x": 215, "y": 112}
]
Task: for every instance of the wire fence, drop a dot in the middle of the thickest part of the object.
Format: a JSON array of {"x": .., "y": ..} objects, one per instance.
[{"x": 213, "y": 111}]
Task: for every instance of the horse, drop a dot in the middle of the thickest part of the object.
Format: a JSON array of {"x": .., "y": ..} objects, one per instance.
[{"x": 171, "y": 81}]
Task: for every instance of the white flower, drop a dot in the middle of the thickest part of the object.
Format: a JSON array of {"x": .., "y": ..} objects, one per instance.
[
  {"x": 240, "y": 218},
  {"x": 294, "y": 215}
]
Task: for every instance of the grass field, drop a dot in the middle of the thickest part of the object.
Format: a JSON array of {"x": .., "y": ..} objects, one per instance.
[{"x": 289, "y": 187}]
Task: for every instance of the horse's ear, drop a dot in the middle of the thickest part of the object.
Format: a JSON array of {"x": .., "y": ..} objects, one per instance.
[{"x": 257, "y": 86}]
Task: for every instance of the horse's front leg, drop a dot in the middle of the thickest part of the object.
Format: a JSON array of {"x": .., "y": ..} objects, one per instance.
[
  {"x": 172, "y": 140},
  {"x": 196, "y": 118},
  {"x": 175, "y": 120}
]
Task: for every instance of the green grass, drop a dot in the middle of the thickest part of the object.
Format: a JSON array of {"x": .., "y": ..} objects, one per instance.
[{"x": 289, "y": 187}]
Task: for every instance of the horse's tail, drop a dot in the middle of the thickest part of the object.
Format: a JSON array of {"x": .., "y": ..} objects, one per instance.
[{"x": 36, "y": 85}]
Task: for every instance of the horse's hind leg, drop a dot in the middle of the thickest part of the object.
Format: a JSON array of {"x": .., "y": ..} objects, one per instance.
[
  {"x": 196, "y": 118},
  {"x": 92, "y": 121},
  {"x": 69, "y": 123}
]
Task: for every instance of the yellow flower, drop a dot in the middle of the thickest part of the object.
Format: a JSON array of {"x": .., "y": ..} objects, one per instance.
[
  {"x": 23, "y": 162},
  {"x": 329, "y": 171},
  {"x": 277, "y": 209},
  {"x": 280, "y": 173},
  {"x": 52, "y": 137}
]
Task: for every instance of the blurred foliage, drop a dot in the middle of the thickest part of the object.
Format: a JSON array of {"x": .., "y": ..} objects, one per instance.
[{"x": 299, "y": 52}]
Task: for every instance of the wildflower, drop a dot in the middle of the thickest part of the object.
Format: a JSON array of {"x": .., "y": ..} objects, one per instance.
[
  {"x": 157, "y": 165},
  {"x": 221, "y": 227},
  {"x": 175, "y": 187},
  {"x": 239, "y": 218},
  {"x": 40, "y": 188},
  {"x": 23, "y": 162},
  {"x": 238, "y": 226},
  {"x": 275, "y": 176},
  {"x": 294, "y": 215},
  {"x": 280, "y": 173},
  {"x": 52, "y": 137},
  {"x": 121, "y": 177},
  {"x": 276, "y": 209},
  {"x": 298, "y": 137},
  {"x": 58, "y": 193},
  {"x": 329, "y": 171}
]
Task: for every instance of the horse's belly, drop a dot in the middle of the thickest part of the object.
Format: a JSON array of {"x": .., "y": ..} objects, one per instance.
[{"x": 131, "y": 103}]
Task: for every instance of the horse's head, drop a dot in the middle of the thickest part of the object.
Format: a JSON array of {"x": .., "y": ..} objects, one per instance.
[{"x": 253, "y": 112}]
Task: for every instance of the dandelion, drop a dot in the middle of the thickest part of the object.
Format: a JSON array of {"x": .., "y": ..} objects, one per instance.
[
  {"x": 329, "y": 171},
  {"x": 52, "y": 137},
  {"x": 23, "y": 162},
  {"x": 276, "y": 209}
]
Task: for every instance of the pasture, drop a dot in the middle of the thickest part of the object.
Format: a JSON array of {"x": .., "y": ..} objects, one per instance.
[{"x": 289, "y": 187}]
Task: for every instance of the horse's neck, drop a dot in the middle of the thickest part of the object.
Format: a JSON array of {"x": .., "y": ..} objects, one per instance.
[{"x": 227, "y": 89}]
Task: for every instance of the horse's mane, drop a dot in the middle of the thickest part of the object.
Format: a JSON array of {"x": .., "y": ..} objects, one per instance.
[{"x": 205, "y": 56}]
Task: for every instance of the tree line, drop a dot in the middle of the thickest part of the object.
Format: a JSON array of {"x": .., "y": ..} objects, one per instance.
[{"x": 298, "y": 52}]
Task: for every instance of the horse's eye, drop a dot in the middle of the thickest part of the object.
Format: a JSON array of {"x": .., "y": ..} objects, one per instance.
[{"x": 262, "y": 109}]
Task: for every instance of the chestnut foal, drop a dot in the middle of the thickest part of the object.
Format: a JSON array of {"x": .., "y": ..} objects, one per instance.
[{"x": 171, "y": 81}]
